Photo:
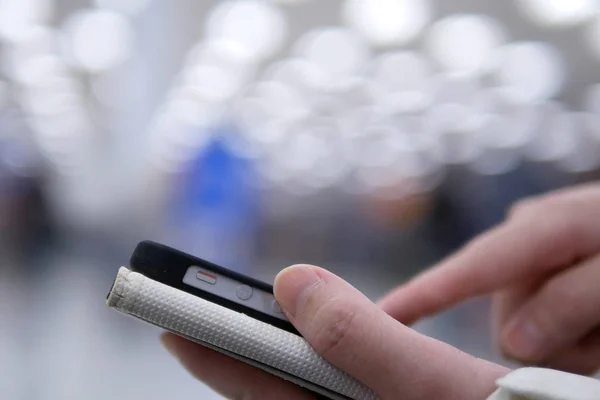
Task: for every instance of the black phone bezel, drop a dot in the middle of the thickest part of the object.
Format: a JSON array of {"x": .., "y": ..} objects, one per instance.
[{"x": 167, "y": 265}]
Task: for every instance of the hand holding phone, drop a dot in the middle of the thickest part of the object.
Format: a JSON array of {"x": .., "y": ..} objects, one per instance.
[{"x": 350, "y": 349}]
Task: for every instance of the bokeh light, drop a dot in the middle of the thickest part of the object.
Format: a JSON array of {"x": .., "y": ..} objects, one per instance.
[
  {"x": 301, "y": 74},
  {"x": 558, "y": 13},
  {"x": 337, "y": 51},
  {"x": 39, "y": 41},
  {"x": 36, "y": 70},
  {"x": 256, "y": 28},
  {"x": 388, "y": 22},
  {"x": 18, "y": 17},
  {"x": 406, "y": 77},
  {"x": 98, "y": 40},
  {"x": 465, "y": 43},
  {"x": 531, "y": 71},
  {"x": 127, "y": 7}
]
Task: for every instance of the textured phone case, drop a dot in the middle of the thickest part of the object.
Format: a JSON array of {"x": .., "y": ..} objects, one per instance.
[{"x": 274, "y": 350}]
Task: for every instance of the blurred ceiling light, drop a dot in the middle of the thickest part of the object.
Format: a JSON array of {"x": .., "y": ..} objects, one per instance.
[
  {"x": 531, "y": 71},
  {"x": 338, "y": 52},
  {"x": 593, "y": 37},
  {"x": 127, "y": 7},
  {"x": 403, "y": 70},
  {"x": 189, "y": 112},
  {"x": 562, "y": 13},
  {"x": 37, "y": 70},
  {"x": 220, "y": 52},
  {"x": 38, "y": 42},
  {"x": 406, "y": 81},
  {"x": 257, "y": 27},
  {"x": 282, "y": 101},
  {"x": 47, "y": 103},
  {"x": 465, "y": 43},
  {"x": 19, "y": 17},
  {"x": 98, "y": 40},
  {"x": 301, "y": 74},
  {"x": 214, "y": 84},
  {"x": 592, "y": 100},
  {"x": 388, "y": 22},
  {"x": 301, "y": 152}
]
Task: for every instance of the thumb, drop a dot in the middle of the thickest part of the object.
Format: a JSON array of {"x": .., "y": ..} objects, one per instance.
[{"x": 355, "y": 335}]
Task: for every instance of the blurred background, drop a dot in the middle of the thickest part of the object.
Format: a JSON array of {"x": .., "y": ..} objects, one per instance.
[{"x": 371, "y": 137}]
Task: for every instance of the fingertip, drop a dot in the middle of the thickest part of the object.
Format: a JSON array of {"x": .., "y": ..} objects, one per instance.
[{"x": 292, "y": 283}]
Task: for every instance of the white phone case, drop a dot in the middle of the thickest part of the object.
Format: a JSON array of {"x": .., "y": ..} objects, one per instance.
[{"x": 274, "y": 350}]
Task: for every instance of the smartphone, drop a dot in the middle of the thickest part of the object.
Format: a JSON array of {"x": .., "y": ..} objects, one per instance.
[
  {"x": 209, "y": 281},
  {"x": 156, "y": 288}
]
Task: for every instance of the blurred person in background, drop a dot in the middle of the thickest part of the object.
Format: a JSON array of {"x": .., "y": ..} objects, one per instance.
[{"x": 542, "y": 265}]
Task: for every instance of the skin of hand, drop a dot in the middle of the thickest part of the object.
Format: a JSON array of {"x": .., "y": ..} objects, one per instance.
[
  {"x": 542, "y": 267},
  {"x": 355, "y": 335}
]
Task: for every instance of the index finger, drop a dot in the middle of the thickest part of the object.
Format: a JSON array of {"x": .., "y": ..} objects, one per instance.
[{"x": 517, "y": 249}]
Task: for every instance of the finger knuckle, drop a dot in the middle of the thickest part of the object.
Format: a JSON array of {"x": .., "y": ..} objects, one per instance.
[{"x": 334, "y": 320}]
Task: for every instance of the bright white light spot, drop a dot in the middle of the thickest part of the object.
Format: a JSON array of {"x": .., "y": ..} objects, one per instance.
[
  {"x": 98, "y": 40},
  {"x": 190, "y": 112},
  {"x": 221, "y": 52},
  {"x": 37, "y": 70},
  {"x": 561, "y": 13},
  {"x": 402, "y": 70},
  {"x": 215, "y": 84},
  {"x": 531, "y": 71},
  {"x": 378, "y": 147},
  {"x": 592, "y": 100},
  {"x": 593, "y": 37},
  {"x": 388, "y": 22},
  {"x": 298, "y": 73},
  {"x": 18, "y": 17},
  {"x": 50, "y": 103},
  {"x": 281, "y": 100},
  {"x": 128, "y": 7},
  {"x": 257, "y": 27},
  {"x": 302, "y": 151},
  {"x": 465, "y": 43},
  {"x": 405, "y": 78},
  {"x": 339, "y": 52}
]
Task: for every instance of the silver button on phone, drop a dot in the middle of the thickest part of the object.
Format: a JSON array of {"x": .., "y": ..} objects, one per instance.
[
  {"x": 276, "y": 307},
  {"x": 244, "y": 292}
]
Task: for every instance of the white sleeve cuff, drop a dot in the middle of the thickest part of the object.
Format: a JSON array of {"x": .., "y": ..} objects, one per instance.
[{"x": 545, "y": 384}]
